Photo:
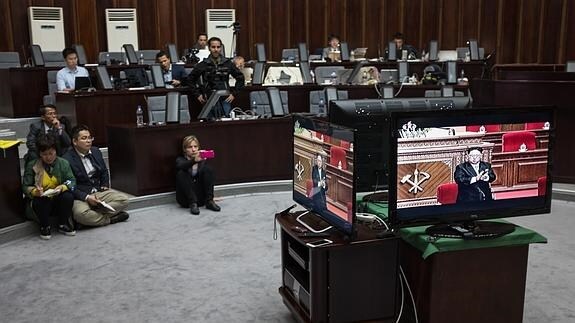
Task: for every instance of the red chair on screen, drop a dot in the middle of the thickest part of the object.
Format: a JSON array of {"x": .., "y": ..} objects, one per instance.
[
  {"x": 534, "y": 125},
  {"x": 337, "y": 156},
  {"x": 488, "y": 128},
  {"x": 513, "y": 141},
  {"x": 447, "y": 193},
  {"x": 542, "y": 185},
  {"x": 325, "y": 138}
]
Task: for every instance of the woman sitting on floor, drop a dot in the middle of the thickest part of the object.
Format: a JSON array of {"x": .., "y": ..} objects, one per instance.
[
  {"x": 194, "y": 178},
  {"x": 47, "y": 182}
]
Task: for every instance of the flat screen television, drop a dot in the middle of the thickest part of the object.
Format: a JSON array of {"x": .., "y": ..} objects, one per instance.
[
  {"x": 453, "y": 168},
  {"x": 323, "y": 174},
  {"x": 370, "y": 119}
]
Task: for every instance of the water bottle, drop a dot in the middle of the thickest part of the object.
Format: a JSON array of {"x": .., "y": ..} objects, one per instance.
[
  {"x": 312, "y": 76},
  {"x": 254, "y": 107},
  {"x": 108, "y": 60},
  {"x": 140, "y": 116},
  {"x": 141, "y": 58},
  {"x": 321, "y": 106}
]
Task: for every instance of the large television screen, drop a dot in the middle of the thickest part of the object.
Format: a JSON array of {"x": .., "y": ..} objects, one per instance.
[
  {"x": 323, "y": 171},
  {"x": 371, "y": 119},
  {"x": 457, "y": 166}
]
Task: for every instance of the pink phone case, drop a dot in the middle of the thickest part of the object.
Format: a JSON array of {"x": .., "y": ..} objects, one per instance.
[{"x": 207, "y": 154}]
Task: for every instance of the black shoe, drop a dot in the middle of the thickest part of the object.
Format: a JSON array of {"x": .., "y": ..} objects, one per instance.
[
  {"x": 120, "y": 217},
  {"x": 211, "y": 205},
  {"x": 194, "y": 209},
  {"x": 66, "y": 229},
  {"x": 45, "y": 233}
]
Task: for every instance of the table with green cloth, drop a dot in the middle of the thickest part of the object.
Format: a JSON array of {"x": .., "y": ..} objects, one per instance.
[
  {"x": 456, "y": 280},
  {"x": 417, "y": 237}
]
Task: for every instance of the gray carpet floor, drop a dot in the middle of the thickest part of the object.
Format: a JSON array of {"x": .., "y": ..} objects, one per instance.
[{"x": 165, "y": 265}]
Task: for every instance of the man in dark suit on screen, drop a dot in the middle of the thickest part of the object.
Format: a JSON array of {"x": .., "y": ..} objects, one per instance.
[
  {"x": 318, "y": 176},
  {"x": 474, "y": 178}
]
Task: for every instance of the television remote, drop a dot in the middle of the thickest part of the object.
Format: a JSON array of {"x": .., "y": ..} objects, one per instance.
[{"x": 310, "y": 234}]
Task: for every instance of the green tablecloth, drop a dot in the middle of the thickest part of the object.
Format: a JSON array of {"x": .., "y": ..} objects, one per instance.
[{"x": 416, "y": 236}]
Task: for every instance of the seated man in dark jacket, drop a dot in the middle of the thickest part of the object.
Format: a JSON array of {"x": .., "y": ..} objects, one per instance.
[
  {"x": 215, "y": 71},
  {"x": 50, "y": 125},
  {"x": 95, "y": 204},
  {"x": 174, "y": 74}
]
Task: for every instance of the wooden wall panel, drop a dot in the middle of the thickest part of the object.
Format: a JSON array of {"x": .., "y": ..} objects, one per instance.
[
  {"x": 429, "y": 27},
  {"x": 528, "y": 43},
  {"x": 567, "y": 46},
  {"x": 521, "y": 31},
  {"x": 488, "y": 26},
  {"x": 450, "y": 24}
]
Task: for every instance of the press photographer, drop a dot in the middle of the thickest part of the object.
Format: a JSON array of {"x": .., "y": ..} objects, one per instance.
[{"x": 215, "y": 72}]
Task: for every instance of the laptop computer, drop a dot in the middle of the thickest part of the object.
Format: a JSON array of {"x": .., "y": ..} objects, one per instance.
[
  {"x": 82, "y": 83},
  {"x": 359, "y": 53},
  {"x": 388, "y": 76}
]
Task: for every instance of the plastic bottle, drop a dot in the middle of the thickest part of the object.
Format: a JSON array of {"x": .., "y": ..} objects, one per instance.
[
  {"x": 321, "y": 106},
  {"x": 108, "y": 60},
  {"x": 141, "y": 58},
  {"x": 254, "y": 107},
  {"x": 312, "y": 76},
  {"x": 139, "y": 116}
]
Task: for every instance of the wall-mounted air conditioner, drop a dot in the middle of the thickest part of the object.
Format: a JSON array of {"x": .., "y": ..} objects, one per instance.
[
  {"x": 47, "y": 28},
  {"x": 121, "y": 28},
  {"x": 219, "y": 24}
]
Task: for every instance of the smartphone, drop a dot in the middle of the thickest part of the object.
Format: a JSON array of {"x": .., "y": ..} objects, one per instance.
[
  {"x": 319, "y": 243},
  {"x": 207, "y": 154}
]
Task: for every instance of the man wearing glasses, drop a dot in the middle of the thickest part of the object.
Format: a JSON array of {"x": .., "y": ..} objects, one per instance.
[{"x": 94, "y": 203}]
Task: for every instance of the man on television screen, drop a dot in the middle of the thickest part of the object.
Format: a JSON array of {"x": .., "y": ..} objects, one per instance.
[
  {"x": 474, "y": 178},
  {"x": 319, "y": 189}
]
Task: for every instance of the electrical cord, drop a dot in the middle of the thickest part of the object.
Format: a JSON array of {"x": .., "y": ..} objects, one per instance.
[
  {"x": 402, "y": 299},
  {"x": 401, "y": 86},
  {"x": 410, "y": 294}
]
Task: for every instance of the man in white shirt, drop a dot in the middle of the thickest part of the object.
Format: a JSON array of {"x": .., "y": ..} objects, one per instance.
[{"x": 66, "y": 77}]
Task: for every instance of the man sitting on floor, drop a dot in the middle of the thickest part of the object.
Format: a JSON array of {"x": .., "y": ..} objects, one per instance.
[{"x": 95, "y": 204}]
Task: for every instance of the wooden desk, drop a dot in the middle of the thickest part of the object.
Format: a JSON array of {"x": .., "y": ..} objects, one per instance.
[
  {"x": 11, "y": 200},
  {"x": 101, "y": 108},
  {"x": 472, "y": 286},
  {"x": 536, "y": 75},
  {"x": 142, "y": 160},
  {"x": 22, "y": 90},
  {"x": 472, "y": 69},
  {"x": 500, "y": 70},
  {"x": 558, "y": 93}
]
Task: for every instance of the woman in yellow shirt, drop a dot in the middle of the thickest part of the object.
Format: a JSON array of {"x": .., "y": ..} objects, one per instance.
[{"x": 47, "y": 183}]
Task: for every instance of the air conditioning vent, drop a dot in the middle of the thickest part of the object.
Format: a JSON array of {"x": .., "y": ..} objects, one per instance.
[
  {"x": 41, "y": 13},
  {"x": 218, "y": 22},
  {"x": 121, "y": 28},
  {"x": 47, "y": 27}
]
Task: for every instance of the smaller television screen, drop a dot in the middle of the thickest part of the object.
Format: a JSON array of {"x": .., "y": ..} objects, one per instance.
[
  {"x": 461, "y": 166},
  {"x": 323, "y": 171}
]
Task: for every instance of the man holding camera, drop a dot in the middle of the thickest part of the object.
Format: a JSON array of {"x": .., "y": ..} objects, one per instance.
[{"x": 215, "y": 72}]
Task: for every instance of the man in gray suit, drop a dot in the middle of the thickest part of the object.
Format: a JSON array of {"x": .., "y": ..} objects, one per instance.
[{"x": 50, "y": 125}]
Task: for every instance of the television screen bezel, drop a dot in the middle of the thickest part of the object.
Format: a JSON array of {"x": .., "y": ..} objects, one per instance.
[
  {"x": 525, "y": 114},
  {"x": 334, "y": 220}
]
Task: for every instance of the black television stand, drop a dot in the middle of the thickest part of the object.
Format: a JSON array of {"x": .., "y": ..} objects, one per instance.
[{"x": 339, "y": 282}]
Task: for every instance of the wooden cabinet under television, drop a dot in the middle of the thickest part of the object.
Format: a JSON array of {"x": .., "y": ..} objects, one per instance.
[{"x": 339, "y": 282}]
